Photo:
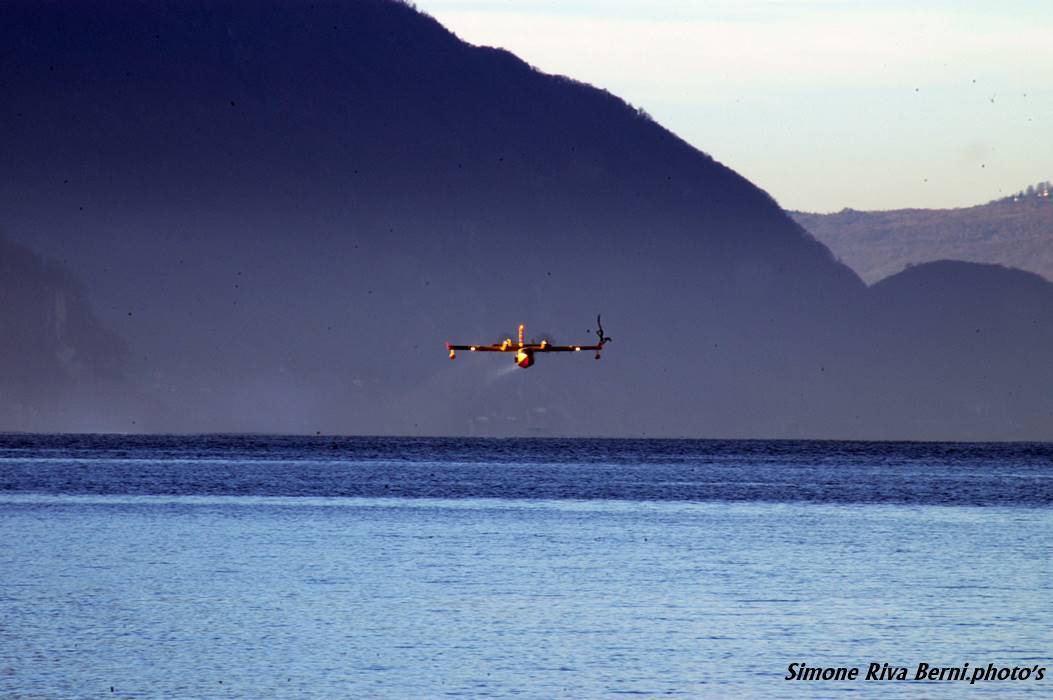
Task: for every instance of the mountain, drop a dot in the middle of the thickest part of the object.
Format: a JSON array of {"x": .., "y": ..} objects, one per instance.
[
  {"x": 970, "y": 340},
  {"x": 1016, "y": 231},
  {"x": 285, "y": 209},
  {"x": 61, "y": 364}
]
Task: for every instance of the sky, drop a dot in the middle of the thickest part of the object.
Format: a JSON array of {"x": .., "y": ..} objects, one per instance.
[{"x": 825, "y": 104}]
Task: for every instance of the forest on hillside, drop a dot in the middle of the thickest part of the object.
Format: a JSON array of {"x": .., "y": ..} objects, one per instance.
[{"x": 1015, "y": 231}]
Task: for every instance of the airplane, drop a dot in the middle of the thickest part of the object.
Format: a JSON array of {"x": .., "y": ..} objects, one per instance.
[{"x": 524, "y": 352}]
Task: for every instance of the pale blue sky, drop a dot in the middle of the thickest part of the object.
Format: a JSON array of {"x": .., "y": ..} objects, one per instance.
[{"x": 823, "y": 103}]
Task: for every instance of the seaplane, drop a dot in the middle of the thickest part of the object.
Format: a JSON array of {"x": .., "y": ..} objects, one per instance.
[{"x": 523, "y": 352}]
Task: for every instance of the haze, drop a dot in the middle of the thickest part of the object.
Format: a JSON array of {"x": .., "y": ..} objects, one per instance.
[{"x": 270, "y": 216}]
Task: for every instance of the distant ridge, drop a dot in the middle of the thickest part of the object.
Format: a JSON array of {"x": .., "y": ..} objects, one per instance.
[{"x": 1016, "y": 231}]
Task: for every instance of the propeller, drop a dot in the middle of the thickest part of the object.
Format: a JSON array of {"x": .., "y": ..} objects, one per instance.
[{"x": 599, "y": 331}]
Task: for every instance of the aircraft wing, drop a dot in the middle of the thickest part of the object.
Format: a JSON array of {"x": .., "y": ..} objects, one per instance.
[
  {"x": 562, "y": 348},
  {"x": 502, "y": 347}
]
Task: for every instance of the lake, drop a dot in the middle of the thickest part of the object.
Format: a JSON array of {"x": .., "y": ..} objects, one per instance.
[{"x": 258, "y": 566}]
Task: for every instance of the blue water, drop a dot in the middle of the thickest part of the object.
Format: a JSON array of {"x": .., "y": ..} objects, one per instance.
[{"x": 247, "y": 566}]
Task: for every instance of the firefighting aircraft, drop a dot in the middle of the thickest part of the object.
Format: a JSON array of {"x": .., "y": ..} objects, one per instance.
[{"x": 524, "y": 352}]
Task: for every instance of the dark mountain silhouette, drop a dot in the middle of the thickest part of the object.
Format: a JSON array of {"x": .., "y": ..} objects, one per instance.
[
  {"x": 970, "y": 341},
  {"x": 284, "y": 209},
  {"x": 1016, "y": 231}
]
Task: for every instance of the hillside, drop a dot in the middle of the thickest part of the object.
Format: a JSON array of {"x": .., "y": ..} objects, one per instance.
[
  {"x": 58, "y": 359},
  {"x": 1016, "y": 231},
  {"x": 284, "y": 210}
]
